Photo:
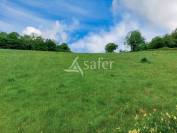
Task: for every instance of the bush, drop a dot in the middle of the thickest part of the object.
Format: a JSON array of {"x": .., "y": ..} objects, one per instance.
[
  {"x": 110, "y": 47},
  {"x": 144, "y": 60},
  {"x": 142, "y": 46}
]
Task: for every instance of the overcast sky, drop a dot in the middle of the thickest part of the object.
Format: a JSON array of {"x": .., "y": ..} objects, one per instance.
[{"x": 88, "y": 25}]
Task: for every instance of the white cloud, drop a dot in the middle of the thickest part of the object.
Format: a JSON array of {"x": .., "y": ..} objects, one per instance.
[
  {"x": 20, "y": 19},
  {"x": 95, "y": 42},
  {"x": 58, "y": 31},
  {"x": 152, "y": 18},
  {"x": 27, "y": 22},
  {"x": 31, "y": 30},
  {"x": 161, "y": 13}
]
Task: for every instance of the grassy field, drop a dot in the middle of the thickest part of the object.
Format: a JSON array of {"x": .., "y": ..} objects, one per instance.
[{"x": 38, "y": 96}]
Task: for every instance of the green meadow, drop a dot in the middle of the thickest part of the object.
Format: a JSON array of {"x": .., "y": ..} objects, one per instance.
[{"x": 38, "y": 96}]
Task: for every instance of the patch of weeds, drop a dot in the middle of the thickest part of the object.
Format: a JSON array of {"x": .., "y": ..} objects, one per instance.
[
  {"x": 155, "y": 122},
  {"x": 44, "y": 94},
  {"x": 23, "y": 75},
  {"x": 112, "y": 75},
  {"x": 144, "y": 60},
  {"x": 21, "y": 91},
  {"x": 61, "y": 86},
  {"x": 11, "y": 80}
]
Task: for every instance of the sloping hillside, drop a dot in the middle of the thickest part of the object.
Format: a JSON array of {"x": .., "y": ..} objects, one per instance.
[{"x": 38, "y": 96}]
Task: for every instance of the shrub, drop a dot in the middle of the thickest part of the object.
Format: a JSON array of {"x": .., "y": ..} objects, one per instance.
[
  {"x": 142, "y": 46},
  {"x": 110, "y": 47},
  {"x": 144, "y": 60}
]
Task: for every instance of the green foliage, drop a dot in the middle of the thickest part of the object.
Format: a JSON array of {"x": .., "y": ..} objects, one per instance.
[
  {"x": 27, "y": 41},
  {"x": 157, "y": 42},
  {"x": 63, "y": 48},
  {"x": 39, "y": 44},
  {"x": 110, "y": 47},
  {"x": 51, "y": 45},
  {"x": 142, "y": 46},
  {"x": 135, "y": 40},
  {"x": 174, "y": 34},
  {"x": 3, "y": 40},
  {"x": 15, "y": 41},
  {"x": 169, "y": 40},
  {"x": 13, "y": 35}
]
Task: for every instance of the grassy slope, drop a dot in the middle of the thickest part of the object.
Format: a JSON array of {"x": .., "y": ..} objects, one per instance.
[{"x": 36, "y": 95}]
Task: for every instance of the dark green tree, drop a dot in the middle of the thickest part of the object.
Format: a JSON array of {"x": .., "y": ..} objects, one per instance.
[
  {"x": 157, "y": 42},
  {"x": 51, "y": 45},
  {"x": 110, "y": 47},
  {"x": 16, "y": 41},
  {"x": 134, "y": 39},
  {"x": 170, "y": 41},
  {"x": 39, "y": 44},
  {"x": 63, "y": 48},
  {"x": 174, "y": 36},
  {"x": 27, "y": 41},
  {"x": 13, "y": 35},
  {"x": 3, "y": 35},
  {"x": 13, "y": 41},
  {"x": 3, "y": 40}
]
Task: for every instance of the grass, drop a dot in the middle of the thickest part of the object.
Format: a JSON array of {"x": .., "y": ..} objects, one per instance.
[{"x": 38, "y": 96}]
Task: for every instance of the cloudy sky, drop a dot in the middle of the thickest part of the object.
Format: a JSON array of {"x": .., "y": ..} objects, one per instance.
[{"x": 88, "y": 25}]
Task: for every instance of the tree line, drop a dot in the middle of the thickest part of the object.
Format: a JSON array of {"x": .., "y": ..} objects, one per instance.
[
  {"x": 134, "y": 39},
  {"x": 137, "y": 42},
  {"x": 14, "y": 40}
]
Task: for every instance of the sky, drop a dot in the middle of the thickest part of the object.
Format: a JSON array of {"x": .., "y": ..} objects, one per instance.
[{"x": 88, "y": 25}]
